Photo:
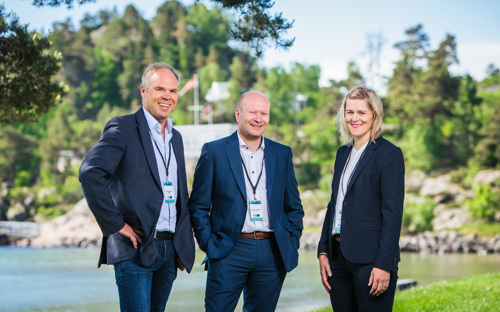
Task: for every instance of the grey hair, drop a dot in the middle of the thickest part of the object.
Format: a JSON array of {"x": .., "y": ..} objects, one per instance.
[{"x": 153, "y": 68}]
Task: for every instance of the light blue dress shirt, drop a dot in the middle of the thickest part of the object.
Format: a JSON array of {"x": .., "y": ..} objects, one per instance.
[{"x": 168, "y": 214}]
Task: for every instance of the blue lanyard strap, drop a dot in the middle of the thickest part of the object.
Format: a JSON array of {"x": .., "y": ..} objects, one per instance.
[
  {"x": 254, "y": 187},
  {"x": 165, "y": 163}
]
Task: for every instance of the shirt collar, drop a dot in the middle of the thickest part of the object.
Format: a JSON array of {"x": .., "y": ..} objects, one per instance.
[
  {"x": 355, "y": 152},
  {"x": 154, "y": 125},
  {"x": 243, "y": 144}
]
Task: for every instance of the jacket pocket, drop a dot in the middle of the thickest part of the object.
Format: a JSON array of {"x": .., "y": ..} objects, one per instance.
[{"x": 370, "y": 226}]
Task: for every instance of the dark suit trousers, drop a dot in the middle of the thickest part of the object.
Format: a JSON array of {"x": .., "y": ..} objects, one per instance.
[
  {"x": 350, "y": 291},
  {"x": 254, "y": 267}
]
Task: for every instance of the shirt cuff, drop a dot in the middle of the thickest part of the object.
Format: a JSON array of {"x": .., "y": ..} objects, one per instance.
[{"x": 322, "y": 253}]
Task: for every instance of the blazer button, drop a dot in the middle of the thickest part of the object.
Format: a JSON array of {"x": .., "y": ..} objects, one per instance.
[
  {"x": 159, "y": 201},
  {"x": 345, "y": 204},
  {"x": 344, "y": 222}
]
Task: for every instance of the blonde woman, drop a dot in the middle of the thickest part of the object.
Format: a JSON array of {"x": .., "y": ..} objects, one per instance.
[{"x": 359, "y": 251}]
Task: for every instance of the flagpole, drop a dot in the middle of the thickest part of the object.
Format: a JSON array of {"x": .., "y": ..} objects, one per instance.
[{"x": 196, "y": 101}]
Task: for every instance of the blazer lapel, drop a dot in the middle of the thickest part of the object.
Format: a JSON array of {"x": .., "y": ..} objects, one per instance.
[
  {"x": 270, "y": 163},
  {"x": 142, "y": 127},
  {"x": 343, "y": 159},
  {"x": 233, "y": 155},
  {"x": 179, "y": 156},
  {"x": 369, "y": 152}
]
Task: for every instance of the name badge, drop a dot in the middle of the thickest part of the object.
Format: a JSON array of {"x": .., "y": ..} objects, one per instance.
[
  {"x": 256, "y": 210},
  {"x": 168, "y": 192},
  {"x": 338, "y": 221}
]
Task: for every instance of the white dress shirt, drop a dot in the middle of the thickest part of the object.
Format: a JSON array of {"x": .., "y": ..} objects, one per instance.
[
  {"x": 254, "y": 163},
  {"x": 350, "y": 166}
]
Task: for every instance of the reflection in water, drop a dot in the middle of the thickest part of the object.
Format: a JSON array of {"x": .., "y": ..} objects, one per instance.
[{"x": 68, "y": 280}]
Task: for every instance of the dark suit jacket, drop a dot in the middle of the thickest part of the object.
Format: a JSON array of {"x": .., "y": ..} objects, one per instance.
[
  {"x": 373, "y": 207},
  {"x": 121, "y": 183},
  {"x": 218, "y": 202}
]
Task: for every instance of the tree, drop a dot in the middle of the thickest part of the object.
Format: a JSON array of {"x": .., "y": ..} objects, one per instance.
[
  {"x": 255, "y": 26},
  {"x": 27, "y": 85},
  {"x": 466, "y": 123},
  {"x": 26, "y": 67},
  {"x": 403, "y": 102},
  {"x": 17, "y": 154}
]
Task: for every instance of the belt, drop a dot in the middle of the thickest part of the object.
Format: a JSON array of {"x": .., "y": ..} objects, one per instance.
[
  {"x": 164, "y": 235},
  {"x": 336, "y": 237},
  {"x": 256, "y": 235}
]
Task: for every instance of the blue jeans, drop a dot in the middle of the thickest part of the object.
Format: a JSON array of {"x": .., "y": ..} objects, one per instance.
[{"x": 147, "y": 289}]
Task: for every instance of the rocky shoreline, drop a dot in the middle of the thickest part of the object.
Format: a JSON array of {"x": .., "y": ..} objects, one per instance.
[
  {"x": 428, "y": 242},
  {"x": 449, "y": 242},
  {"x": 78, "y": 228}
]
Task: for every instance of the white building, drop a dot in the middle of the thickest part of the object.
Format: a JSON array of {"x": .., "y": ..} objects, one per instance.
[{"x": 194, "y": 136}]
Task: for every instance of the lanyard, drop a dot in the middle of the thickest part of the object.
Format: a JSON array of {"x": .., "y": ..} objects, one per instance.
[
  {"x": 352, "y": 172},
  {"x": 165, "y": 163},
  {"x": 254, "y": 187}
]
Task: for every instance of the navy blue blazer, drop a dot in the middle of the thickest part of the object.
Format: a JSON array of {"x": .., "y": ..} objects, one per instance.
[
  {"x": 121, "y": 183},
  {"x": 373, "y": 207},
  {"x": 218, "y": 202}
]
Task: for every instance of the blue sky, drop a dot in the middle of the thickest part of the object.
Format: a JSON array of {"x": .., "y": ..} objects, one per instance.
[{"x": 330, "y": 33}]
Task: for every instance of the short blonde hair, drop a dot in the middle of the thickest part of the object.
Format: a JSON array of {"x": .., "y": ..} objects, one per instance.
[{"x": 374, "y": 103}]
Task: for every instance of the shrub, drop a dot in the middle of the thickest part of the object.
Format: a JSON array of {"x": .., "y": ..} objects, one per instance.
[
  {"x": 484, "y": 204},
  {"x": 417, "y": 217}
]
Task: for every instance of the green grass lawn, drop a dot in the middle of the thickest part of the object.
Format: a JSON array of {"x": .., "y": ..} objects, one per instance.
[
  {"x": 481, "y": 229},
  {"x": 478, "y": 293}
]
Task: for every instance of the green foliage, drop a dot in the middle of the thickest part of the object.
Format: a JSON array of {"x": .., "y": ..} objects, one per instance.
[
  {"x": 23, "y": 178},
  {"x": 481, "y": 229},
  {"x": 464, "y": 176},
  {"x": 17, "y": 154},
  {"x": 69, "y": 3},
  {"x": 418, "y": 216},
  {"x": 255, "y": 24},
  {"x": 27, "y": 72},
  {"x": 421, "y": 147},
  {"x": 439, "y": 120},
  {"x": 487, "y": 150},
  {"x": 485, "y": 203},
  {"x": 308, "y": 174}
]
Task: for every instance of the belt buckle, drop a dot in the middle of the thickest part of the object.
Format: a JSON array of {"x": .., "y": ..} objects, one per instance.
[{"x": 255, "y": 236}]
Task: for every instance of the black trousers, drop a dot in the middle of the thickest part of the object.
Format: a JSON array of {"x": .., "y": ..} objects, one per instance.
[{"x": 350, "y": 291}]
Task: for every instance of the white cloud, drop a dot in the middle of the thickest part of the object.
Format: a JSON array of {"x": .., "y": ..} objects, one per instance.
[
  {"x": 475, "y": 57},
  {"x": 332, "y": 69}
]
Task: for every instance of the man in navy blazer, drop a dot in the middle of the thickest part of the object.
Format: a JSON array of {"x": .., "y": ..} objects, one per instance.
[
  {"x": 134, "y": 180},
  {"x": 246, "y": 212}
]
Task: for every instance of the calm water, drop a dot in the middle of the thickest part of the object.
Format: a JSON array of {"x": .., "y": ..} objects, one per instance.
[{"x": 67, "y": 280}]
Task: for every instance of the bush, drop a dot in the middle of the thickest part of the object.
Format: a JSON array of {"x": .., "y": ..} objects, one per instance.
[
  {"x": 417, "y": 217},
  {"x": 484, "y": 204}
]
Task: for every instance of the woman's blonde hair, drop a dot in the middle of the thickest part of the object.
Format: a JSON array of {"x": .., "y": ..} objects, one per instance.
[{"x": 374, "y": 103}]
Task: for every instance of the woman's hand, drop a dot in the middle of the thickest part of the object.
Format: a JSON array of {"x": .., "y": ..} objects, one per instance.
[{"x": 379, "y": 280}]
